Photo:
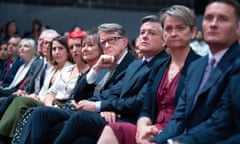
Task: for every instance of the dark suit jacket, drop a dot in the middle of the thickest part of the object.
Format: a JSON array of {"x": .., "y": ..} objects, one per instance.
[
  {"x": 7, "y": 92},
  {"x": 201, "y": 112},
  {"x": 11, "y": 73},
  {"x": 149, "y": 108},
  {"x": 3, "y": 65},
  {"x": 234, "y": 88},
  {"x": 126, "y": 96},
  {"x": 234, "y": 94},
  {"x": 83, "y": 90},
  {"x": 33, "y": 73},
  {"x": 230, "y": 101}
]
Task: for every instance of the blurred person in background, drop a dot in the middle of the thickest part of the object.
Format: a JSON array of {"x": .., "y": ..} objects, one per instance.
[
  {"x": 137, "y": 52},
  {"x": 199, "y": 45},
  {"x": 36, "y": 30},
  {"x": 13, "y": 63},
  {"x": 10, "y": 30},
  {"x": 3, "y": 55}
]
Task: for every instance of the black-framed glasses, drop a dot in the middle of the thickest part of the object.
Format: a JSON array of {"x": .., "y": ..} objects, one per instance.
[{"x": 110, "y": 41}]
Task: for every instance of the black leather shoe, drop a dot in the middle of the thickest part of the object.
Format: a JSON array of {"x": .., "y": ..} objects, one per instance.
[{"x": 5, "y": 140}]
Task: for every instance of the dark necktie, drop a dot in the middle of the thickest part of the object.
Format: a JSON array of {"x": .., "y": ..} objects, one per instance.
[
  {"x": 23, "y": 82},
  {"x": 42, "y": 76},
  {"x": 8, "y": 68}
]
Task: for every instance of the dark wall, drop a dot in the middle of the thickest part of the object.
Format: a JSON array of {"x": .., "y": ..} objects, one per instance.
[{"x": 63, "y": 18}]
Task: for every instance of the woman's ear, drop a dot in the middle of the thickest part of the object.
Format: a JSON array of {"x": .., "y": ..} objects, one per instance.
[{"x": 194, "y": 32}]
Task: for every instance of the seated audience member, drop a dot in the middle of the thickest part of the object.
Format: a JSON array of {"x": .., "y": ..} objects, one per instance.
[
  {"x": 136, "y": 48},
  {"x": 10, "y": 30},
  {"x": 62, "y": 60},
  {"x": 165, "y": 85},
  {"x": 14, "y": 62},
  {"x": 45, "y": 66},
  {"x": 35, "y": 31},
  {"x": 202, "y": 114},
  {"x": 3, "y": 51},
  {"x": 102, "y": 75},
  {"x": 3, "y": 56}
]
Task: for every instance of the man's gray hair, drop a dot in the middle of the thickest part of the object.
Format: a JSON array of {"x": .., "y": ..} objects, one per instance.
[
  {"x": 112, "y": 28},
  {"x": 50, "y": 31}
]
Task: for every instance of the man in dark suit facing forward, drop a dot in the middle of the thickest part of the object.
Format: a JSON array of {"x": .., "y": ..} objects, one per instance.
[
  {"x": 102, "y": 75},
  {"x": 202, "y": 113}
]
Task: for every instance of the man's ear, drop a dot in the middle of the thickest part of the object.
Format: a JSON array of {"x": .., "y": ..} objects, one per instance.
[
  {"x": 238, "y": 31},
  {"x": 125, "y": 41}
]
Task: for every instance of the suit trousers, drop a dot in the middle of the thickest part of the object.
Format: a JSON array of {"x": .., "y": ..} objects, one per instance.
[
  {"x": 49, "y": 122},
  {"x": 7, "y": 92},
  {"x": 4, "y": 103},
  {"x": 90, "y": 123}
]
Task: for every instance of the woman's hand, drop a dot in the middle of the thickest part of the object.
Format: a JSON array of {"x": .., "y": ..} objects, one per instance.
[{"x": 145, "y": 133}]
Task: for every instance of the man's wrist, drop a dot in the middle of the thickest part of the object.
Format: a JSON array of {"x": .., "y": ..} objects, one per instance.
[
  {"x": 91, "y": 76},
  {"x": 98, "y": 106},
  {"x": 95, "y": 68},
  {"x": 170, "y": 141}
]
